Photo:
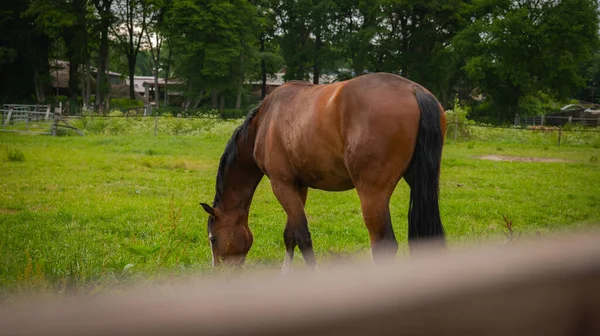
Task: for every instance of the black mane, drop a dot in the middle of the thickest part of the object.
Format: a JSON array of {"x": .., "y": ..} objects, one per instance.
[{"x": 230, "y": 154}]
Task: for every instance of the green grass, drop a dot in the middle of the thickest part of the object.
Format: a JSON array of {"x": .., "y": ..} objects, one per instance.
[{"x": 102, "y": 211}]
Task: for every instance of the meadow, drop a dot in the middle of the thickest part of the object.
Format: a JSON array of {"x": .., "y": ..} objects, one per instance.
[{"x": 120, "y": 205}]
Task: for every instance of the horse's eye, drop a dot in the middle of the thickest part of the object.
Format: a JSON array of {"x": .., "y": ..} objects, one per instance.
[{"x": 213, "y": 239}]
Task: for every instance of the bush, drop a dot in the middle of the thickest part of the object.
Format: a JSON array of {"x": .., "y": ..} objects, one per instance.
[
  {"x": 14, "y": 155},
  {"x": 125, "y": 103},
  {"x": 458, "y": 122},
  {"x": 145, "y": 125}
]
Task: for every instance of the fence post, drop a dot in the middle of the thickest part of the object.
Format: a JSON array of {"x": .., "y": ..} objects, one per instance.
[
  {"x": 26, "y": 120},
  {"x": 570, "y": 119},
  {"x": 47, "y": 113},
  {"x": 455, "y": 126},
  {"x": 54, "y": 123},
  {"x": 155, "y": 124},
  {"x": 559, "y": 135},
  {"x": 543, "y": 119},
  {"x": 7, "y": 120}
]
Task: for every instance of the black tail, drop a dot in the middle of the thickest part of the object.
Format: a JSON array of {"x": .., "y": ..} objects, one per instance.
[{"x": 423, "y": 173}]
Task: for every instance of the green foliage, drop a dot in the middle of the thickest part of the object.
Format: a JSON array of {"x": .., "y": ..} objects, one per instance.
[
  {"x": 539, "y": 103},
  {"x": 516, "y": 50},
  {"x": 167, "y": 125},
  {"x": 457, "y": 121},
  {"x": 524, "y": 57},
  {"x": 209, "y": 37},
  {"x": 125, "y": 103},
  {"x": 14, "y": 154}
]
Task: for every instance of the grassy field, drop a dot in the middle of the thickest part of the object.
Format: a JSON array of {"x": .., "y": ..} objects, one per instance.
[{"x": 117, "y": 206}]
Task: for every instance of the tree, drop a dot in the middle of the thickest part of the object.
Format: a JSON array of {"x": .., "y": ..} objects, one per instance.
[
  {"x": 24, "y": 51},
  {"x": 357, "y": 23},
  {"x": 105, "y": 20},
  {"x": 516, "y": 49},
  {"x": 67, "y": 19},
  {"x": 129, "y": 29},
  {"x": 208, "y": 37},
  {"x": 158, "y": 10},
  {"x": 267, "y": 56}
]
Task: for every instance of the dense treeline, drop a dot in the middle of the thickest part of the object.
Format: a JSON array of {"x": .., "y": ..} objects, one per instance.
[{"x": 500, "y": 56}]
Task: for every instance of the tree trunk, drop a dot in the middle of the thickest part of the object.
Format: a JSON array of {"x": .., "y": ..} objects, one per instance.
[
  {"x": 73, "y": 82},
  {"x": 263, "y": 69},
  {"x": 106, "y": 103},
  {"x": 131, "y": 66},
  {"x": 88, "y": 82},
  {"x": 156, "y": 68},
  {"x": 214, "y": 99},
  {"x": 39, "y": 87},
  {"x": 404, "y": 66},
  {"x": 238, "y": 98},
  {"x": 199, "y": 99},
  {"x": 166, "y": 98},
  {"x": 188, "y": 97},
  {"x": 102, "y": 83},
  {"x": 317, "y": 58},
  {"x": 444, "y": 98}
]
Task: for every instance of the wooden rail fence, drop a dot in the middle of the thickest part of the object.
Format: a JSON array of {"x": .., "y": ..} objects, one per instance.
[{"x": 545, "y": 287}]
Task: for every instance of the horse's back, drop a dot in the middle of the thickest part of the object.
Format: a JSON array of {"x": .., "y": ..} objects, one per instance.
[{"x": 317, "y": 134}]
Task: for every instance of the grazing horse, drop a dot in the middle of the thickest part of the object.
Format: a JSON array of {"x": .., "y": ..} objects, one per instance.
[{"x": 365, "y": 133}]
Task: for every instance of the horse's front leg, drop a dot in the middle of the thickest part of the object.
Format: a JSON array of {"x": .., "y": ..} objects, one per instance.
[{"x": 293, "y": 198}]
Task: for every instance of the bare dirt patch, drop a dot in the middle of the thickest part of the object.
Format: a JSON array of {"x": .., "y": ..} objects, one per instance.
[
  {"x": 520, "y": 159},
  {"x": 8, "y": 211}
]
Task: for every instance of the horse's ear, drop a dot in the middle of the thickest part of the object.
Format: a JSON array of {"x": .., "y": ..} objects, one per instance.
[{"x": 209, "y": 210}]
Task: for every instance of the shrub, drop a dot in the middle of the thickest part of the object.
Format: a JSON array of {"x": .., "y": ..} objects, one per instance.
[
  {"x": 458, "y": 114},
  {"x": 14, "y": 155},
  {"x": 115, "y": 113},
  {"x": 125, "y": 103}
]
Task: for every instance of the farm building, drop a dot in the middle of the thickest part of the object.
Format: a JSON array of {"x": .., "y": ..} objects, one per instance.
[
  {"x": 144, "y": 87},
  {"x": 59, "y": 77}
]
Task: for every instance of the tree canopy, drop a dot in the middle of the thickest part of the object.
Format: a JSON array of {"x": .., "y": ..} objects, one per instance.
[{"x": 497, "y": 56}]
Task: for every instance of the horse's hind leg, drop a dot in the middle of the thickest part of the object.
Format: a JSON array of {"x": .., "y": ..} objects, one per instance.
[
  {"x": 375, "y": 180},
  {"x": 374, "y": 203},
  {"x": 293, "y": 199}
]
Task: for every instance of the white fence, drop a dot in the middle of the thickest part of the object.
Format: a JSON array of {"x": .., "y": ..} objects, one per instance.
[{"x": 27, "y": 118}]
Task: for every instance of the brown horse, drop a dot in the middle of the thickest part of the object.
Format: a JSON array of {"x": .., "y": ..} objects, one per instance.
[{"x": 365, "y": 133}]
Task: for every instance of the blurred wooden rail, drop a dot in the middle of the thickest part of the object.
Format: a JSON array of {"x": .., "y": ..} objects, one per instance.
[{"x": 546, "y": 287}]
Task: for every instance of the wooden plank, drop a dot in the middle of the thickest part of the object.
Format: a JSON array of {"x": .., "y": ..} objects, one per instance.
[
  {"x": 7, "y": 120},
  {"x": 549, "y": 287},
  {"x": 69, "y": 126}
]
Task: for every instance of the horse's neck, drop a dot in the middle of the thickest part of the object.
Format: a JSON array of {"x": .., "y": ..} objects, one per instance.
[{"x": 242, "y": 177}]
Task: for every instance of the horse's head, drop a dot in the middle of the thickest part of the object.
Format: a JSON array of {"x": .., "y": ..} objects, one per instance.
[{"x": 229, "y": 236}]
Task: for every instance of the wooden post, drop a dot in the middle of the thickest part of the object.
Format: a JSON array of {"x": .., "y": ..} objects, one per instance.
[
  {"x": 543, "y": 118},
  {"x": 55, "y": 117},
  {"x": 570, "y": 119},
  {"x": 47, "y": 113},
  {"x": 559, "y": 135},
  {"x": 7, "y": 120},
  {"x": 54, "y": 124},
  {"x": 455, "y": 126},
  {"x": 155, "y": 124}
]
